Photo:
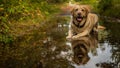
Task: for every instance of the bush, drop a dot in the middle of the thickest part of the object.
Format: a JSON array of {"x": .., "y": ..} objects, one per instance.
[
  {"x": 109, "y": 7},
  {"x": 14, "y": 11}
]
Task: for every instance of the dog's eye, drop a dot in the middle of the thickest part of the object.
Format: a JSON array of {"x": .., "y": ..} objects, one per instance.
[
  {"x": 82, "y": 10},
  {"x": 76, "y": 9}
]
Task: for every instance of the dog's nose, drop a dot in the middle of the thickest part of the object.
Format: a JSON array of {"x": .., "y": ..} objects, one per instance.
[{"x": 79, "y": 14}]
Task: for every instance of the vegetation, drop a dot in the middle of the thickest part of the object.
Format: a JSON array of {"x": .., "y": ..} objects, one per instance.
[
  {"x": 25, "y": 11},
  {"x": 26, "y": 27},
  {"x": 109, "y": 8}
]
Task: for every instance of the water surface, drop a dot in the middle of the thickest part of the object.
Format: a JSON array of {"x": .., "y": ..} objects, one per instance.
[{"x": 48, "y": 48}]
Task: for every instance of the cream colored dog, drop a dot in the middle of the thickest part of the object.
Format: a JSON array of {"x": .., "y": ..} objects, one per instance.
[{"x": 83, "y": 22}]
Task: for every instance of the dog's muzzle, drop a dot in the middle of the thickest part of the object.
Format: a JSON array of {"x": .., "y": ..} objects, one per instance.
[{"x": 79, "y": 18}]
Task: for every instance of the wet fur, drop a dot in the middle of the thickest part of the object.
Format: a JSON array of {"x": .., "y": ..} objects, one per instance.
[{"x": 88, "y": 23}]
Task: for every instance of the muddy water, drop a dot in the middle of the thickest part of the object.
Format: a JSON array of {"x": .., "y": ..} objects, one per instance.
[
  {"x": 87, "y": 52},
  {"x": 48, "y": 48}
]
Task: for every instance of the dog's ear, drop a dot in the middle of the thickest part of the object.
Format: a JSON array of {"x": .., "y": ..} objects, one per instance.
[
  {"x": 72, "y": 8},
  {"x": 87, "y": 8},
  {"x": 72, "y": 11}
]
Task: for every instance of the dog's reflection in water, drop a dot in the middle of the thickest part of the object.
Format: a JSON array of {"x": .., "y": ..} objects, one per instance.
[{"x": 81, "y": 47}]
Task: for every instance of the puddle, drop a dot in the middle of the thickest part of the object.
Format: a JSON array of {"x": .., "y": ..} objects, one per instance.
[{"x": 54, "y": 51}]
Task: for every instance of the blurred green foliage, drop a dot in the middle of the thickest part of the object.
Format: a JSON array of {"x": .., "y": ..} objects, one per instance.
[
  {"x": 22, "y": 10},
  {"x": 109, "y": 8},
  {"x": 92, "y": 3}
]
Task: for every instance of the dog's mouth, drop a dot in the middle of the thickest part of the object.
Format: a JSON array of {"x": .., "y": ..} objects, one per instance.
[{"x": 79, "y": 18}]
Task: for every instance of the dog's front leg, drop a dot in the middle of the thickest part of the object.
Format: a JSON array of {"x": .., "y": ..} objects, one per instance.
[
  {"x": 70, "y": 34},
  {"x": 84, "y": 33}
]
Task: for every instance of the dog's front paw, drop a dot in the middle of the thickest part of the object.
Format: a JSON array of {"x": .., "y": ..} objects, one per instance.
[
  {"x": 68, "y": 37},
  {"x": 74, "y": 38}
]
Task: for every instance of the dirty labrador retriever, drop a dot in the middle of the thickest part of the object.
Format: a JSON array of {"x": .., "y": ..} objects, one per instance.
[{"x": 83, "y": 22}]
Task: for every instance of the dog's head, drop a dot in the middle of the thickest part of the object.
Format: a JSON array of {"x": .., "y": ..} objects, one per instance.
[
  {"x": 80, "y": 54},
  {"x": 79, "y": 12},
  {"x": 80, "y": 49}
]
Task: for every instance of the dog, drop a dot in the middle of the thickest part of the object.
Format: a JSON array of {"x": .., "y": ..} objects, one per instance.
[
  {"x": 81, "y": 47},
  {"x": 83, "y": 22}
]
